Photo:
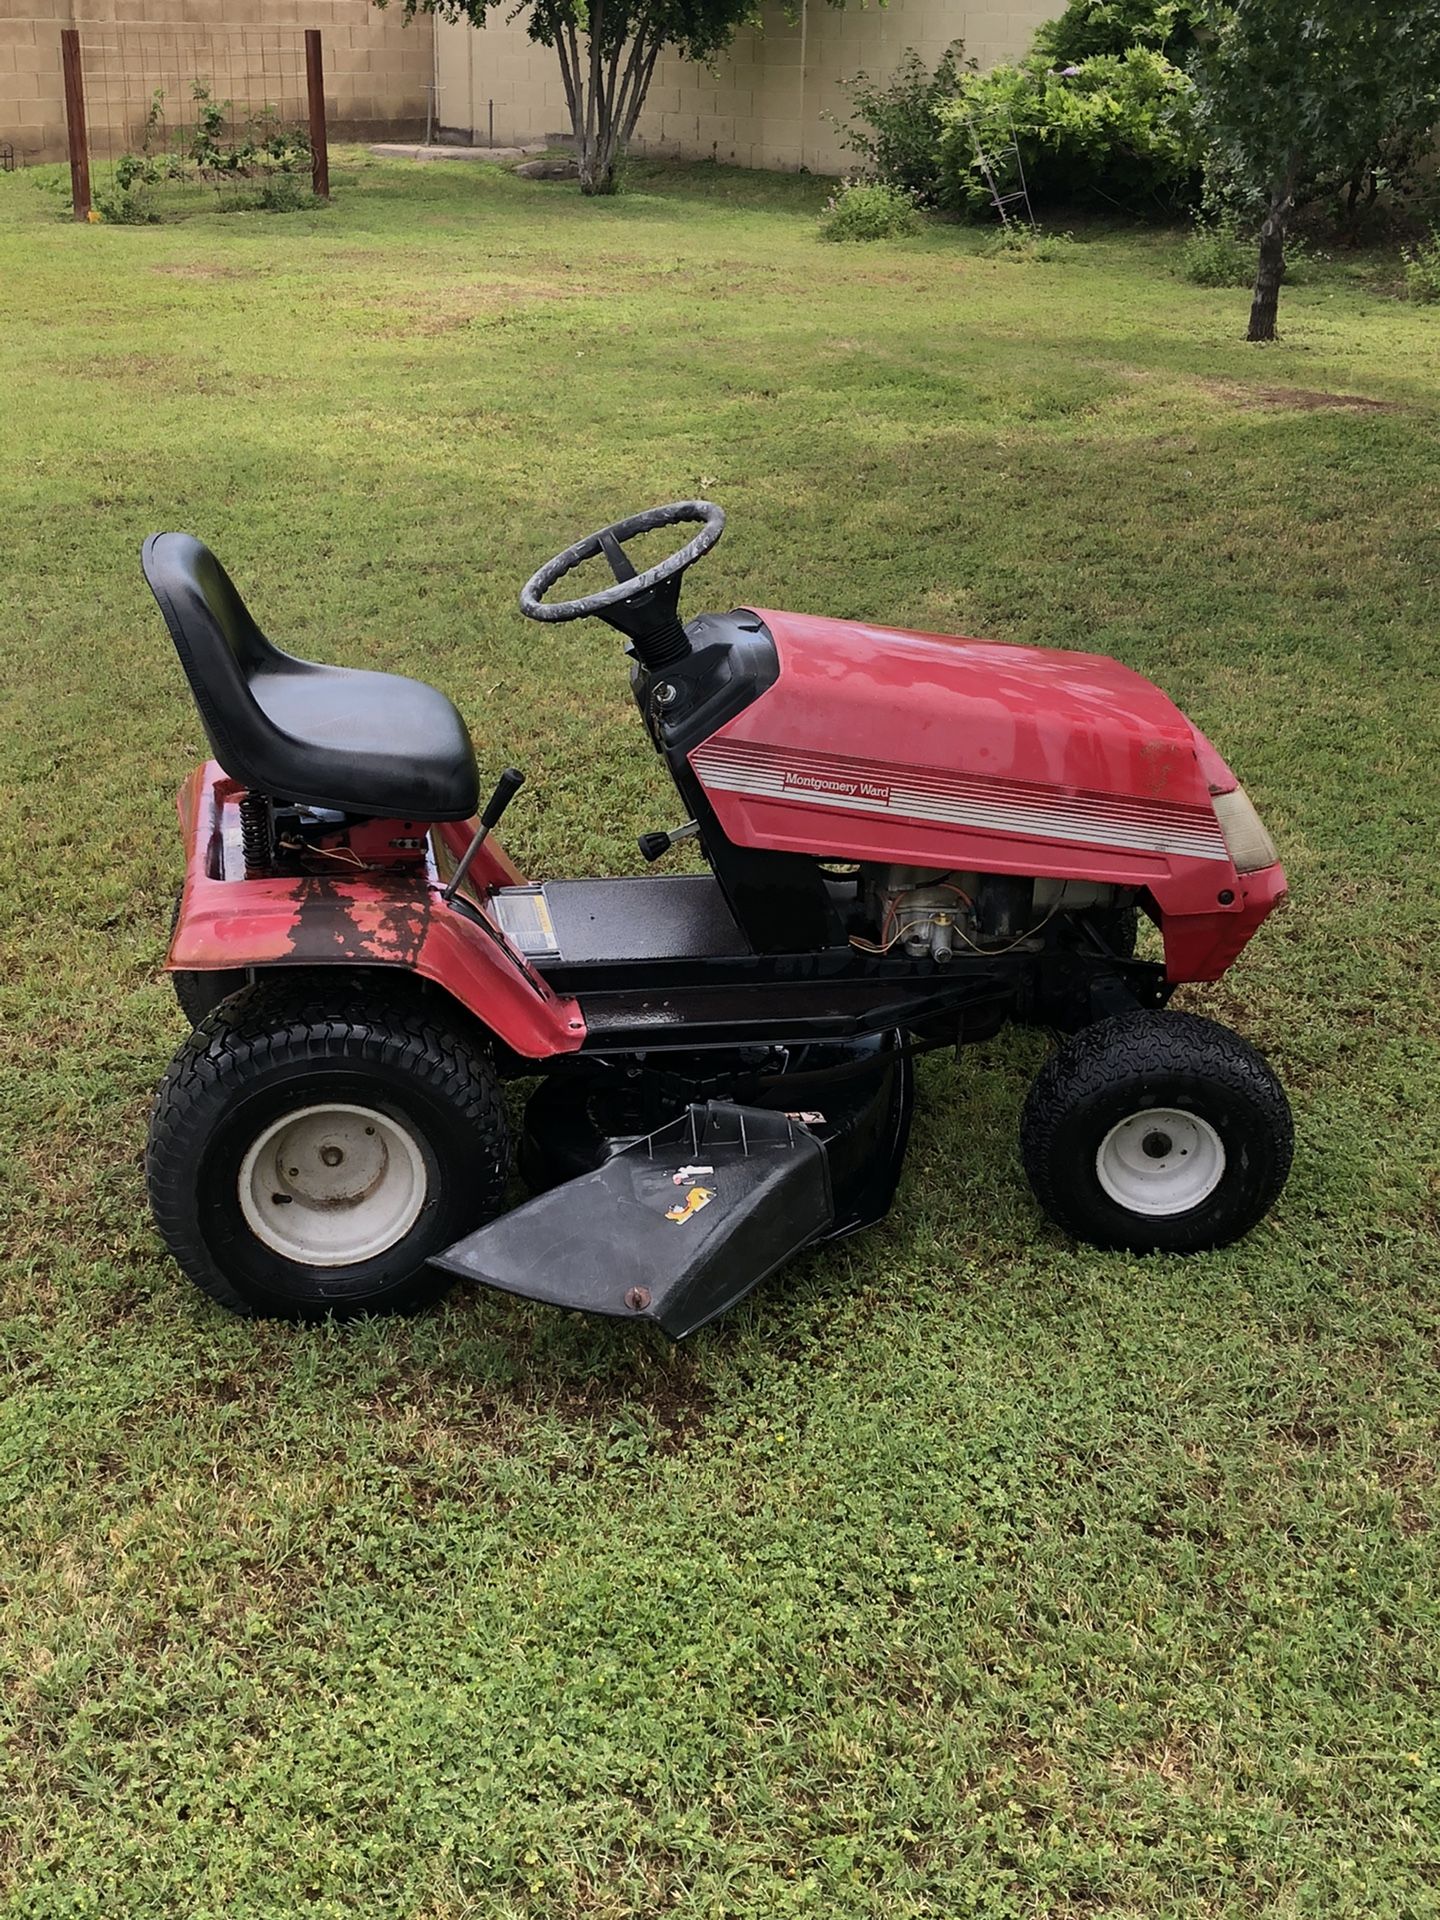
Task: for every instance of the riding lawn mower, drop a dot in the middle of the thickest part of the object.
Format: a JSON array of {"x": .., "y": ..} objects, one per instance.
[{"x": 908, "y": 840}]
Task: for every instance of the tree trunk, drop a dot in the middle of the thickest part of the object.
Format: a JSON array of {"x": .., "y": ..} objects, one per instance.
[
  {"x": 1271, "y": 269},
  {"x": 597, "y": 171},
  {"x": 605, "y": 93}
]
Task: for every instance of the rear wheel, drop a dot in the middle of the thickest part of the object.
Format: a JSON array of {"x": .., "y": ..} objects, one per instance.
[
  {"x": 307, "y": 1158},
  {"x": 1157, "y": 1132},
  {"x": 200, "y": 993}
]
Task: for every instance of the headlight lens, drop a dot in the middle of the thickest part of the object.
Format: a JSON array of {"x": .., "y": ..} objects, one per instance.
[{"x": 1250, "y": 846}]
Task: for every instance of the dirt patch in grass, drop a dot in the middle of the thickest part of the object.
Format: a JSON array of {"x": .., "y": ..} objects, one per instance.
[
  {"x": 1239, "y": 394},
  {"x": 1297, "y": 399},
  {"x": 1410, "y": 1477},
  {"x": 205, "y": 270},
  {"x": 445, "y": 309},
  {"x": 1166, "y": 1760},
  {"x": 1309, "y": 1433},
  {"x": 119, "y": 368},
  {"x": 643, "y": 1416}
]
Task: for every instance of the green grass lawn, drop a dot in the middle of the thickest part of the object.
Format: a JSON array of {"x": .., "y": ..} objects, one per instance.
[{"x": 962, "y": 1571}]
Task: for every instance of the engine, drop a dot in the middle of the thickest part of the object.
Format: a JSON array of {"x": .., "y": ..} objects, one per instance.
[{"x": 932, "y": 915}]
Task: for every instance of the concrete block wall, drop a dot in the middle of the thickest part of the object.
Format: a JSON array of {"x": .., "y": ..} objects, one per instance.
[
  {"x": 772, "y": 100},
  {"x": 377, "y": 68}
]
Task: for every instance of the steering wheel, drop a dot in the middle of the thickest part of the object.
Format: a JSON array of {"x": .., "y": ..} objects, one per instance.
[{"x": 629, "y": 585}]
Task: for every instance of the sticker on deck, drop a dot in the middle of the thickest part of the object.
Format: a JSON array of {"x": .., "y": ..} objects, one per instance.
[{"x": 694, "y": 1200}]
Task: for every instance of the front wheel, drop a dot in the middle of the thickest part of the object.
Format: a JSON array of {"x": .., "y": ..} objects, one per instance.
[
  {"x": 306, "y": 1158},
  {"x": 1157, "y": 1133}
]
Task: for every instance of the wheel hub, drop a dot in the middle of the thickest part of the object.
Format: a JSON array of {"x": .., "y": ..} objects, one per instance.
[
  {"x": 332, "y": 1185},
  {"x": 1160, "y": 1162}
]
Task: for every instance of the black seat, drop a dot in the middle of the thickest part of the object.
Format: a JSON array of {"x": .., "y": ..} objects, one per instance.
[{"x": 366, "y": 743}]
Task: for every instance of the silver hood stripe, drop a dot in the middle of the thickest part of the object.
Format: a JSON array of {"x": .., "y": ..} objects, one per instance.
[{"x": 808, "y": 780}]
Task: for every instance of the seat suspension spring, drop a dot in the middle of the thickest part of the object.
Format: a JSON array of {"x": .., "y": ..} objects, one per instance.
[{"x": 257, "y": 833}]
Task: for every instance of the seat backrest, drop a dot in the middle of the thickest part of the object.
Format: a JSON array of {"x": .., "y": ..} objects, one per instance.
[{"x": 219, "y": 645}]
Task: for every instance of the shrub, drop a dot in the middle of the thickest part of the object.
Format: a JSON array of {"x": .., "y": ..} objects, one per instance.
[
  {"x": 899, "y": 140},
  {"x": 1422, "y": 269},
  {"x": 264, "y": 144},
  {"x": 1029, "y": 246},
  {"x": 1120, "y": 130},
  {"x": 1215, "y": 255},
  {"x": 1220, "y": 252},
  {"x": 271, "y": 193},
  {"x": 1088, "y": 27},
  {"x": 1304, "y": 261},
  {"x": 289, "y": 193},
  {"x": 126, "y": 206},
  {"x": 258, "y": 165},
  {"x": 869, "y": 210}
]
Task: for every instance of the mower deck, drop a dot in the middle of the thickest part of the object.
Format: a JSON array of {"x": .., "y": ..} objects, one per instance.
[{"x": 674, "y": 1228}]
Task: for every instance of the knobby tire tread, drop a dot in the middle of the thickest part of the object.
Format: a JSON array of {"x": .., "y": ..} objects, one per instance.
[{"x": 269, "y": 1026}]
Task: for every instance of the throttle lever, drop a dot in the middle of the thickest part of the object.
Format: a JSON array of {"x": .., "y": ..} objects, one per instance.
[
  {"x": 653, "y": 845},
  {"x": 506, "y": 788}
]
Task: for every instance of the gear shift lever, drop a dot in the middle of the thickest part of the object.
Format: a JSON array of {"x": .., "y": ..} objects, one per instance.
[{"x": 506, "y": 788}]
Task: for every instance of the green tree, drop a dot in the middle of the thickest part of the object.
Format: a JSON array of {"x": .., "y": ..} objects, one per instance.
[
  {"x": 1090, "y": 27},
  {"x": 607, "y": 51},
  {"x": 1302, "y": 96}
]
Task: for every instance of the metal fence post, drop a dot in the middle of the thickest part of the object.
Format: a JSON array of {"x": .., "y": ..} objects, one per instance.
[
  {"x": 75, "y": 121},
  {"x": 315, "y": 86}
]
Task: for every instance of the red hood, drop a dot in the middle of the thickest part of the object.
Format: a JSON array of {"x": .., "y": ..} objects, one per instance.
[
  {"x": 921, "y": 750},
  {"x": 1076, "y": 722}
]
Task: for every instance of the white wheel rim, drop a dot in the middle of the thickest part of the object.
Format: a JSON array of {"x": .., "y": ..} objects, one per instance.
[
  {"x": 1160, "y": 1161},
  {"x": 331, "y": 1186}
]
